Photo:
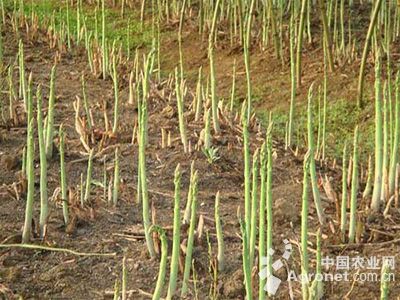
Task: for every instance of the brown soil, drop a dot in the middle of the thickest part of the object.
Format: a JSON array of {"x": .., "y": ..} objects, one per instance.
[{"x": 105, "y": 229}]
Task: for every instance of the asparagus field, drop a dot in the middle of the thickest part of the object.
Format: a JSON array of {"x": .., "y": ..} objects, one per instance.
[{"x": 199, "y": 149}]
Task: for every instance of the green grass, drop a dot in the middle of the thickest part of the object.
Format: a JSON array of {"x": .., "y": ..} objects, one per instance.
[
  {"x": 342, "y": 117},
  {"x": 116, "y": 26}
]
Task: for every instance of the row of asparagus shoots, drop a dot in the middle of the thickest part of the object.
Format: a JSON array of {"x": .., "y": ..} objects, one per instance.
[
  {"x": 310, "y": 290},
  {"x": 28, "y": 160},
  {"x": 313, "y": 289},
  {"x": 216, "y": 12},
  {"x": 319, "y": 151},
  {"x": 261, "y": 168},
  {"x": 386, "y": 153},
  {"x": 176, "y": 243},
  {"x": 45, "y": 137},
  {"x": 383, "y": 182},
  {"x": 271, "y": 16},
  {"x": 265, "y": 216},
  {"x": 386, "y": 141},
  {"x": 108, "y": 62},
  {"x": 45, "y": 134},
  {"x": 189, "y": 216},
  {"x": 243, "y": 15},
  {"x": 49, "y": 122}
]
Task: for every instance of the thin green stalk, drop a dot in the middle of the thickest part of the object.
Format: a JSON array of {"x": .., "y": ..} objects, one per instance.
[
  {"x": 12, "y": 98},
  {"x": 319, "y": 254},
  {"x": 199, "y": 95},
  {"x": 261, "y": 223},
  {"x": 186, "y": 216},
  {"x": 176, "y": 235},
  {"x": 395, "y": 145},
  {"x": 23, "y": 167},
  {"x": 212, "y": 270},
  {"x": 312, "y": 167},
  {"x": 385, "y": 280},
  {"x": 190, "y": 242},
  {"x": 342, "y": 31},
  {"x": 142, "y": 168},
  {"x": 327, "y": 35},
  {"x": 390, "y": 110},
  {"x": 220, "y": 235},
  {"x": 233, "y": 89},
  {"x": 304, "y": 228},
  {"x": 246, "y": 261},
  {"x": 68, "y": 27},
  {"x": 385, "y": 161},
  {"x": 26, "y": 234},
  {"x": 103, "y": 39},
  {"x": 246, "y": 51},
  {"x": 116, "y": 98},
  {"x": 275, "y": 34},
  {"x": 116, "y": 178},
  {"x": 354, "y": 190},
  {"x": 308, "y": 16},
  {"x": 368, "y": 185},
  {"x": 86, "y": 104},
  {"x": 63, "y": 176},
  {"x": 163, "y": 262},
  {"x": 253, "y": 217},
  {"x": 179, "y": 89},
  {"x": 78, "y": 23},
  {"x": 43, "y": 165},
  {"x": 15, "y": 18},
  {"x": 365, "y": 52},
  {"x": 247, "y": 180},
  {"x": 316, "y": 289},
  {"x": 344, "y": 194},
  {"x": 376, "y": 195},
  {"x": 269, "y": 203},
  {"x": 181, "y": 22},
  {"x": 50, "y": 116},
  {"x": 22, "y": 80},
  {"x": 300, "y": 34},
  {"x": 214, "y": 98},
  {"x": 319, "y": 132},
  {"x": 323, "y": 144},
  {"x": 293, "y": 82},
  {"x": 116, "y": 287}
]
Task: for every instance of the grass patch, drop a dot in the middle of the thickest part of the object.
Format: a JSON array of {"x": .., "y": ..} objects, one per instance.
[
  {"x": 342, "y": 117},
  {"x": 116, "y": 26}
]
